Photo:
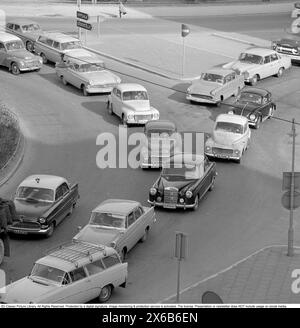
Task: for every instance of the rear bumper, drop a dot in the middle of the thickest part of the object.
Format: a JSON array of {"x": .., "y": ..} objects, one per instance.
[{"x": 91, "y": 89}]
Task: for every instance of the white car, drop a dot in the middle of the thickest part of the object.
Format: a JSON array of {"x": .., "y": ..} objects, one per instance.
[
  {"x": 131, "y": 103},
  {"x": 258, "y": 63},
  {"x": 230, "y": 137},
  {"x": 76, "y": 272},
  {"x": 296, "y": 11}
]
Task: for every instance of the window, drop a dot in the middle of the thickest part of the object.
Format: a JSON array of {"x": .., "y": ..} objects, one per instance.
[
  {"x": 95, "y": 267},
  {"x": 42, "y": 39},
  {"x": 138, "y": 212},
  {"x": 66, "y": 279},
  {"x": 17, "y": 28},
  {"x": 9, "y": 25},
  {"x": 118, "y": 93},
  {"x": 111, "y": 260},
  {"x": 274, "y": 57},
  {"x": 265, "y": 100},
  {"x": 130, "y": 219},
  {"x": 65, "y": 188},
  {"x": 56, "y": 45},
  {"x": 77, "y": 274},
  {"x": 2, "y": 47},
  {"x": 267, "y": 60},
  {"x": 49, "y": 42},
  {"x": 59, "y": 193}
]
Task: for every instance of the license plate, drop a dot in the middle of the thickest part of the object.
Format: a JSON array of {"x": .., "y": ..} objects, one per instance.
[
  {"x": 169, "y": 205},
  {"x": 20, "y": 232}
]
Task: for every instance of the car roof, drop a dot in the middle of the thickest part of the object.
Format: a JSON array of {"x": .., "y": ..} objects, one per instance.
[
  {"x": 220, "y": 71},
  {"x": 81, "y": 56},
  {"x": 130, "y": 87},
  {"x": 239, "y": 119},
  {"x": 43, "y": 181},
  {"x": 260, "y": 51},
  {"x": 60, "y": 37},
  {"x": 74, "y": 254},
  {"x": 160, "y": 124},
  {"x": 21, "y": 21},
  {"x": 259, "y": 91},
  {"x": 185, "y": 158},
  {"x": 6, "y": 37},
  {"x": 118, "y": 206}
]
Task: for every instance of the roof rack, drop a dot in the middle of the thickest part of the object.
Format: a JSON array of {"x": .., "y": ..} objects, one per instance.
[{"x": 73, "y": 251}]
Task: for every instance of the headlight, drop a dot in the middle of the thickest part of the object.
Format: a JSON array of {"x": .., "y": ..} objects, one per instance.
[
  {"x": 41, "y": 60},
  {"x": 207, "y": 148},
  {"x": 130, "y": 116},
  {"x": 213, "y": 92},
  {"x": 246, "y": 75},
  {"x": 236, "y": 151},
  {"x": 21, "y": 63},
  {"x": 113, "y": 244},
  {"x": 42, "y": 220},
  {"x": 189, "y": 194},
  {"x": 252, "y": 117},
  {"x": 153, "y": 191}
]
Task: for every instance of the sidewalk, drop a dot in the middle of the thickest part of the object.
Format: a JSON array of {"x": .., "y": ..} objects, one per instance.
[{"x": 264, "y": 277}]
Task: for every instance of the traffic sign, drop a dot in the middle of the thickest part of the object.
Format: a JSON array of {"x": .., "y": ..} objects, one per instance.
[
  {"x": 286, "y": 180},
  {"x": 185, "y": 30},
  {"x": 82, "y": 15},
  {"x": 84, "y": 25},
  {"x": 286, "y": 200}
]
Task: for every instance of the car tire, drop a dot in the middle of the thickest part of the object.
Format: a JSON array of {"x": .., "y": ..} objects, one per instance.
[
  {"x": 254, "y": 80},
  {"x": 45, "y": 60},
  {"x": 50, "y": 232},
  {"x": 84, "y": 91},
  {"x": 105, "y": 294},
  {"x": 15, "y": 69},
  {"x": 145, "y": 236},
  {"x": 1, "y": 251},
  {"x": 196, "y": 203},
  {"x": 280, "y": 72},
  {"x": 29, "y": 46},
  {"x": 63, "y": 80}
]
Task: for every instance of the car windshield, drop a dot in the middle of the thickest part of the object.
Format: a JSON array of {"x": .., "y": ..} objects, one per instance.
[
  {"x": 251, "y": 97},
  {"x": 212, "y": 78},
  {"x": 35, "y": 194},
  {"x": 31, "y": 28},
  {"x": 108, "y": 220},
  {"x": 229, "y": 127},
  {"x": 71, "y": 45},
  {"x": 159, "y": 133},
  {"x": 184, "y": 171},
  {"x": 47, "y": 272},
  {"x": 86, "y": 68},
  {"x": 135, "y": 95},
  {"x": 250, "y": 58},
  {"x": 14, "y": 45}
]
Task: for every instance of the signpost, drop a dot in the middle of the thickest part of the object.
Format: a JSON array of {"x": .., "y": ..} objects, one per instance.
[
  {"x": 84, "y": 25},
  {"x": 185, "y": 30},
  {"x": 82, "y": 15},
  {"x": 180, "y": 254}
]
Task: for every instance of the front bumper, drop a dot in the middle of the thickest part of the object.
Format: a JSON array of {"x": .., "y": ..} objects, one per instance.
[
  {"x": 223, "y": 156},
  {"x": 201, "y": 100},
  {"x": 98, "y": 89},
  {"x": 141, "y": 121},
  {"x": 31, "y": 68},
  {"x": 27, "y": 231},
  {"x": 168, "y": 206}
]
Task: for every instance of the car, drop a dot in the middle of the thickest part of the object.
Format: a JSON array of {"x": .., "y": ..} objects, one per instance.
[
  {"x": 74, "y": 272},
  {"x": 289, "y": 46},
  {"x": 230, "y": 137},
  {"x": 258, "y": 63},
  {"x": 161, "y": 142},
  {"x": 86, "y": 73},
  {"x": 215, "y": 85},
  {"x": 255, "y": 104},
  {"x": 42, "y": 202},
  {"x": 15, "y": 57},
  {"x": 296, "y": 10},
  {"x": 27, "y": 30},
  {"x": 118, "y": 223},
  {"x": 130, "y": 101},
  {"x": 184, "y": 180}
]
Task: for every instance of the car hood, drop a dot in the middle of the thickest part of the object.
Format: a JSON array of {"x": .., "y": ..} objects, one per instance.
[
  {"x": 31, "y": 209},
  {"x": 101, "y": 77},
  {"x": 204, "y": 87},
  {"x": 138, "y": 105},
  {"x": 289, "y": 43},
  {"x": 180, "y": 184},
  {"x": 243, "y": 66},
  {"x": 97, "y": 234},
  {"x": 225, "y": 138},
  {"x": 26, "y": 290},
  {"x": 245, "y": 108},
  {"x": 22, "y": 54}
]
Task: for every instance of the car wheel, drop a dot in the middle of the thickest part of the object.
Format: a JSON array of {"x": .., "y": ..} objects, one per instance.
[
  {"x": 271, "y": 112},
  {"x": 105, "y": 294},
  {"x": 45, "y": 60},
  {"x": 84, "y": 91},
  {"x": 196, "y": 203},
  {"x": 63, "y": 80},
  {"x": 145, "y": 236},
  {"x": 254, "y": 80},
  {"x": 280, "y": 72},
  {"x": 124, "y": 120},
  {"x": 1, "y": 251},
  {"x": 212, "y": 185},
  {"x": 15, "y": 69},
  {"x": 51, "y": 230},
  {"x": 29, "y": 46}
]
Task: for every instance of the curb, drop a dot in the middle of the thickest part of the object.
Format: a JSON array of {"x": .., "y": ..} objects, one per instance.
[
  {"x": 234, "y": 39},
  {"x": 222, "y": 271}
]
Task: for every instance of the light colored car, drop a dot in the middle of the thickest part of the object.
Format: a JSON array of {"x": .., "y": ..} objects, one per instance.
[
  {"x": 296, "y": 10},
  {"x": 27, "y": 30},
  {"x": 75, "y": 272},
  {"x": 289, "y": 46},
  {"x": 215, "y": 85},
  {"x": 86, "y": 73},
  {"x": 118, "y": 223},
  {"x": 230, "y": 137},
  {"x": 15, "y": 57},
  {"x": 131, "y": 103},
  {"x": 258, "y": 63}
]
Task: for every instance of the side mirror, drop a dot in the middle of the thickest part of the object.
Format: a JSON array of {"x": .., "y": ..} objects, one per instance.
[{"x": 79, "y": 228}]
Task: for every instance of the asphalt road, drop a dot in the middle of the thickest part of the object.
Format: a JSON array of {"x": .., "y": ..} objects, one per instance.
[{"x": 242, "y": 213}]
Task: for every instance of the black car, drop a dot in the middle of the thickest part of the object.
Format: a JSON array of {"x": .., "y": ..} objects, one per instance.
[
  {"x": 289, "y": 46},
  {"x": 254, "y": 103},
  {"x": 184, "y": 180}
]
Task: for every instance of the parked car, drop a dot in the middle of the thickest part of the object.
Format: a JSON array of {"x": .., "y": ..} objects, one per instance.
[
  {"x": 230, "y": 137},
  {"x": 42, "y": 202},
  {"x": 161, "y": 142},
  {"x": 118, "y": 223},
  {"x": 255, "y": 104},
  {"x": 27, "y": 30},
  {"x": 15, "y": 57},
  {"x": 289, "y": 46},
  {"x": 296, "y": 10},
  {"x": 184, "y": 180},
  {"x": 74, "y": 272},
  {"x": 258, "y": 63},
  {"x": 215, "y": 85},
  {"x": 86, "y": 73},
  {"x": 131, "y": 103}
]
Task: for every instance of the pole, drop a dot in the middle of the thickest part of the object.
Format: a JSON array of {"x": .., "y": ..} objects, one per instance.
[
  {"x": 85, "y": 37},
  {"x": 178, "y": 281},
  {"x": 291, "y": 229},
  {"x": 79, "y": 29},
  {"x": 183, "y": 57},
  {"x": 98, "y": 26}
]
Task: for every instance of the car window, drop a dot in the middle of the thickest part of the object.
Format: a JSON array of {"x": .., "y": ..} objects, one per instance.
[
  {"x": 9, "y": 25},
  {"x": 118, "y": 93},
  {"x": 2, "y": 47},
  {"x": 66, "y": 279},
  {"x": 111, "y": 260},
  {"x": 274, "y": 57},
  {"x": 267, "y": 59},
  {"x": 17, "y": 28},
  {"x": 56, "y": 45},
  {"x": 130, "y": 219},
  {"x": 138, "y": 212},
  {"x": 77, "y": 274},
  {"x": 265, "y": 100},
  {"x": 42, "y": 39},
  {"x": 58, "y": 193},
  {"x": 65, "y": 188},
  {"x": 95, "y": 267},
  {"x": 49, "y": 42}
]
